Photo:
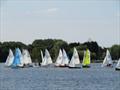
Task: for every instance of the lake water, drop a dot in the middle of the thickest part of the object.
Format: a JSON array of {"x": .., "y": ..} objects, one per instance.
[{"x": 51, "y": 78}]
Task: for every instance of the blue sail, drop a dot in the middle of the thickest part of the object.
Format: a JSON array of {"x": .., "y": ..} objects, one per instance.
[{"x": 16, "y": 61}]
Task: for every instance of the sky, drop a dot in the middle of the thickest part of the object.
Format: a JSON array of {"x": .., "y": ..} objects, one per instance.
[{"x": 70, "y": 20}]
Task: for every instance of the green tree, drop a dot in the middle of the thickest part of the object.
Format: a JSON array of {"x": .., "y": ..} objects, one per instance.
[{"x": 115, "y": 52}]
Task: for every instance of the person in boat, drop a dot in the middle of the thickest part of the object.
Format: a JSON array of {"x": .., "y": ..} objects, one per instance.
[{"x": 109, "y": 65}]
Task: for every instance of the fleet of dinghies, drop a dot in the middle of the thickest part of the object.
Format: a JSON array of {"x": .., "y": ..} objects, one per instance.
[
  {"x": 19, "y": 59},
  {"x": 23, "y": 59}
]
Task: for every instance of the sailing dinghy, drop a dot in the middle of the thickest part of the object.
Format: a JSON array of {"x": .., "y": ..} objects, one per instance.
[
  {"x": 74, "y": 60},
  {"x": 59, "y": 59},
  {"x": 118, "y": 65},
  {"x": 65, "y": 60},
  {"x": 107, "y": 60},
  {"x": 10, "y": 58},
  {"x": 86, "y": 59},
  {"x": 26, "y": 60},
  {"x": 46, "y": 60},
  {"x": 17, "y": 59}
]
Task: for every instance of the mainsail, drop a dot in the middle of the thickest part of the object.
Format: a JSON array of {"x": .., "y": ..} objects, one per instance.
[
  {"x": 118, "y": 64},
  {"x": 10, "y": 58},
  {"x": 26, "y": 57},
  {"x": 43, "y": 60},
  {"x": 75, "y": 59},
  {"x": 46, "y": 60},
  {"x": 107, "y": 60},
  {"x": 48, "y": 57},
  {"x": 17, "y": 58},
  {"x": 29, "y": 57},
  {"x": 65, "y": 59},
  {"x": 59, "y": 58},
  {"x": 86, "y": 59}
]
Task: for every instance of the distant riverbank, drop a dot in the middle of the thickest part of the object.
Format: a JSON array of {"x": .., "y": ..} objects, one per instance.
[{"x": 53, "y": 46}]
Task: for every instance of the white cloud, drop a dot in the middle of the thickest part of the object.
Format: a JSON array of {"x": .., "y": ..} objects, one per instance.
[{"x": 52, "y": 10}]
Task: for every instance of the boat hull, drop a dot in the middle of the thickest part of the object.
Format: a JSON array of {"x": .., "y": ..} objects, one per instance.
[
  {"x": 63, "y": 66},
  {"x": 74, "y": 67},
  {"x": 117, "y": 69},
  {"x": 109, "y": 65},
  {"x": 16, "y": 67},
  {"x": 85, "y": 66},
  {"x": 27, "y": 66}
]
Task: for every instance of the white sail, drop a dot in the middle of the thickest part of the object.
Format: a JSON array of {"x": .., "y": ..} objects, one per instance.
[
  {"x": 29, "y": 57},
  {"x": 118, "y": 64},
  {"x": 107, "y": 60},
  {"x": 21, "y": 58},
  {"x": 65, "y": 59},
  {"x": 46, "y": 60},
  {"x": 42, "y": 56},
  {"x": 43, "y": 60},
  {"x": 75, "y": 59},
  {"x": 76, "y": 56},
  {"x": 26, "y": 57},
  {"x": 48, "y": 57},
  {"x": 59, "y": 58},
  {"x": 10, "y": 58}
]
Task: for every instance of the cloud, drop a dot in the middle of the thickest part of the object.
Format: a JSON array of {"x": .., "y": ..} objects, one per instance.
[
  {"x": 52, "y": 10},
  {"x": 42, "y": 12}
]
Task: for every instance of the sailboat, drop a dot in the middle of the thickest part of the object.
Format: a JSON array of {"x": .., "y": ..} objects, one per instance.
[
  {"x": 17, "y": 59},
  {"x": 107, "y": 60},
  {"x": 29, "y": 58},
  {"x": 26, "y": 60},
  {"x": 48, "y": 57},
  {"x": 46, "y": 60},
  {"x": 10, "y": 58},
  {"x": 59, "y": 58},
  {"x": 86, "y": 59},
  {"x": 65, "y": 60},
  {"x": 118, "y": 65},
  {"x": 74, "y": 60}
]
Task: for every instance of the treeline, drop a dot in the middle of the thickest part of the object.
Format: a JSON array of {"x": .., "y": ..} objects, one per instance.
[{"x": 97, "y": 52}]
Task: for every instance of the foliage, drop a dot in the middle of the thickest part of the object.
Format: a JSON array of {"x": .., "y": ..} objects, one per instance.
[{"x": 53, "y": 46}]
